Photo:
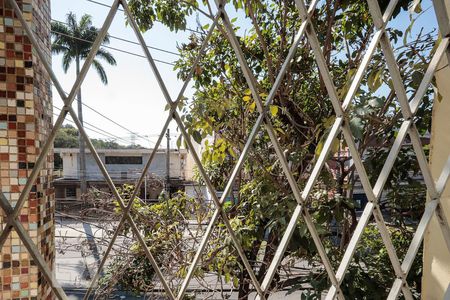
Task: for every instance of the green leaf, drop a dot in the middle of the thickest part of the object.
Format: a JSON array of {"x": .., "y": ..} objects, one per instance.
[
  {"x": 417, "y": 78},
  {"x": 357, "y": 127},
  {"x": 416, "y": 7},
  {"x": 235, "y": 282},
  {"x": 374, "y": 81},
  {"x": 274, "y": 110},
  {"x": 197, "y": 136},
  {"x": 408, "y": 31},
  {"x": 227, "y": 277},
  {"x": 252, "y": 107},
  {"x": 376, "y": 102},
  {"x": 247, "y": 98},
  {"x": 335, "y": 146},
  {"x": 179, "y": 141}
]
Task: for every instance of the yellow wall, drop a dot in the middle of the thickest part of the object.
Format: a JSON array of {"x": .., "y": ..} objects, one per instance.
[{"x": 436, "y": 265}]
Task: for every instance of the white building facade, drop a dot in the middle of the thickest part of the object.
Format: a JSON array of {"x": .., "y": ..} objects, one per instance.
[{"x": 125, "y": 166}]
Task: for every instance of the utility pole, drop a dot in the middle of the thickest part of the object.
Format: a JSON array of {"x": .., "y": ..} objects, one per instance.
[
  {"x": 168, "y": 163},
  {"x": 145, "y": 188},
  {"x": 82, "y": 147}
]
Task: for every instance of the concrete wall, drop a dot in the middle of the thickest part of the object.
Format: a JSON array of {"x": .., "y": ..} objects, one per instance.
[
  {"x": 436, "y": 264},
  {"x": 25, "y": 123},
  {"x": 157, "y": 167}
]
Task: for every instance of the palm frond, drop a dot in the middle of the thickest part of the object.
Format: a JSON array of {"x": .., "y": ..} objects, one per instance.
[
  {"x": 106, "y": 39},
  {"x": 100, "y": 70},
  {"x": 59, "y": 28},
  {"x": 74, "y": 41},
  {"x": 58, "y": 49},
  {"x": 71, "y": 20},
  {"x": 85, "y": 22},
  {"x": 90, "y": 34},
  {"x": 67, "y": 60},
  {"x": 107, "y": 56}
]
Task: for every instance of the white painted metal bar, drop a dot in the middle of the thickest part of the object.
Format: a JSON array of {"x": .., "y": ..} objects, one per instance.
[
  {"x": 403, "y": 100},
  {"x": 245, "y": 151},
  {"x": 122, "y": 205},
  {"x": 312, "y": 37},
  {"x": 368, "y": 55},
  {"x": 126, "y": 212},
  {"x": 307, "y": 218},
  {"x": 196, "y": 158},
  {"x": 12, "y": 215},
  {"x": 318, "y": 166},
  {"x": 368, "y": 209},
  {"x": 441, "y": 217},
  {"x": 430, "y": 209},
  {"x": 414, "y": 247},
  {"x": 76, "y": 86},
  {"x": 401, "y": 95},
  {"x": 429, "y": 74},
  {"x": 67, "y": 101},
  {"x": 251, "y": 81},
  {"x": 443, "y": 178},
  {"x": 386, "y": 237},
  {"x": 372, "y": 208},
  {"x": 147, "y": 166},
  {"x": 298, "y": 210},
  {"x": 423, "y": 162},
  {"x": 414, "y": 104},
  {"x": 440, "y": 9},
  {"x": 407, "y": 123},
  {"x": 33, "y": 250},
  {"x": 397, "y": 80},
  {"x": 391, "y": 158}
]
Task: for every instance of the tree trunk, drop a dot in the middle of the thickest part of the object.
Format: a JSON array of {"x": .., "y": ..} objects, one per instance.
[{"x": 83, "y": 183}]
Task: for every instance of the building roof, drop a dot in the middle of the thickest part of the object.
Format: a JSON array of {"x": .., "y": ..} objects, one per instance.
[{"x": 118, "y": 151}]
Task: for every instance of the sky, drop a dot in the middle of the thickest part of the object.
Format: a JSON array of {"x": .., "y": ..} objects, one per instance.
[{"x": 133, "y": 98}]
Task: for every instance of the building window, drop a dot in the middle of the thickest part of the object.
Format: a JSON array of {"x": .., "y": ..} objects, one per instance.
[
  {"x": 360, "y": 201},
  {"x": 123, "y": 160},
  {"x": 71, "y": 192}
]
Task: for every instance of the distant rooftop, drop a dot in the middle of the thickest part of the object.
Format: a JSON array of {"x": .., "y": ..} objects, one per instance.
[{"x": 118, "y": 151}]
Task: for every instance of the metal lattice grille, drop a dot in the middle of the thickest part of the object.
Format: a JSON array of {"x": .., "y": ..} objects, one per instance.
[{"x": 409, "y": 109}]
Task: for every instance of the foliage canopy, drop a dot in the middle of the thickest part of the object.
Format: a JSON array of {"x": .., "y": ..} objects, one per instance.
[{"x": 222, "y": 112}]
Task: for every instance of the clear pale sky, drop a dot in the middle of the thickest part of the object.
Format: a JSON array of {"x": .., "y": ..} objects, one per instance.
[{"x": 132, "y": 98}]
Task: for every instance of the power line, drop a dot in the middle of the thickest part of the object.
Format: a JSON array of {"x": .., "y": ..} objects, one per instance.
[
  {"x": 90, "y": 129},
  {"x": 106, "y": 133},
  {"x": 106, "y": 5},
  {"x": 112, "y": 48},
  {"x": 128, "y": 41},
  {"x": 114, "y": 122}
]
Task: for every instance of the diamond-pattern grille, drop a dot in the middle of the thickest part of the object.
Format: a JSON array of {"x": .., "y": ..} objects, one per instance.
[{"x": 306, "y": 30}]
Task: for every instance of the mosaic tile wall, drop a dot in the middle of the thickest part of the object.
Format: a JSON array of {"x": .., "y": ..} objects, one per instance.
[{"x": 25, "y": 123}]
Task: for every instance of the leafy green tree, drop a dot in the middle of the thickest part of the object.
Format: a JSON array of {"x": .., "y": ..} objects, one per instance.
[
  {"x": 222, "y": 107},
  {"x": 67, "y": 137},
  {"x": 74, "y": 41}
]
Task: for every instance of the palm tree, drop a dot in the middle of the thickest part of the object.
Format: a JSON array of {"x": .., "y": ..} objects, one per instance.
[{"x": 74, "y": 41}]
